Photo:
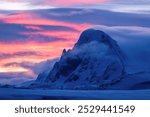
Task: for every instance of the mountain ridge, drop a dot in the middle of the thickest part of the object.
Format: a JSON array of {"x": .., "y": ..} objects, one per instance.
[{"x": 95, "y": 60}]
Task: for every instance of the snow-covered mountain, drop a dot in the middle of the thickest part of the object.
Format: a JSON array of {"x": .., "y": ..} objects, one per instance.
[{"x": 95, "y": 60}]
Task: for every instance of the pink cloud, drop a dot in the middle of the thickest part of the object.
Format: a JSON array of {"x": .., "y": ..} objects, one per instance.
[
  {"x": 60, "y": 2},
  {"x": 33, "y": 27},
  {"x": 48, "y": 50},
  {"x": 29, "y": 19},
  {"x": 73, "y": 2}
]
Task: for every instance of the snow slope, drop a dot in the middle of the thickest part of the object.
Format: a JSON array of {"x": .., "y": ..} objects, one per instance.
[
  {"x": 39, "y": 94},
  {"x": 135, "y": 81}
]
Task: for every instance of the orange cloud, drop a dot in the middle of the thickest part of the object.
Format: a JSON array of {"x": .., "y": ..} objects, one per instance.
[{"x": 13, "y": 69}]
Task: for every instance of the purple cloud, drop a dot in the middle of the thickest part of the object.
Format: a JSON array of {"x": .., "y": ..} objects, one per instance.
[{"x": 7, "y": 55}]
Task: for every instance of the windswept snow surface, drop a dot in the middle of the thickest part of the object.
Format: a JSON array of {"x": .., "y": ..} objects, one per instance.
[{"x": 41, "y": 94}]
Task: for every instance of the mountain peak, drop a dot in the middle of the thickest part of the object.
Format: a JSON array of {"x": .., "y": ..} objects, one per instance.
[
  {"x": 95, "y": 35},
  {"x": 96, "y": 60},
  {"x": 91, "y": 35}
]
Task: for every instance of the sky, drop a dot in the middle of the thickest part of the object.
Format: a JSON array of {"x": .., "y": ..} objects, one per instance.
[{"x": 33, "y": 33}]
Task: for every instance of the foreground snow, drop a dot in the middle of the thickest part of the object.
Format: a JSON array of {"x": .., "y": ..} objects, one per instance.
[{"x": 41, "y": 94}]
